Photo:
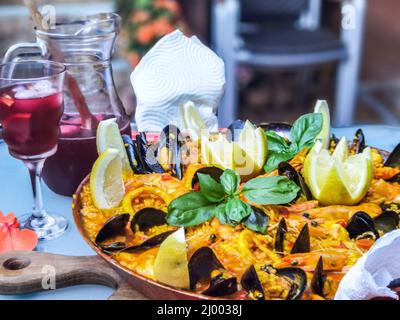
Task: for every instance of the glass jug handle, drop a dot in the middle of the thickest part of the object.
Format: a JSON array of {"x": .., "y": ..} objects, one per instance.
[{"x": 25, "y": 51}]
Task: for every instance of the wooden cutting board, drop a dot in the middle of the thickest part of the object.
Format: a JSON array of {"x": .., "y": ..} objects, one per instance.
[{"x": 24, "y": 271}]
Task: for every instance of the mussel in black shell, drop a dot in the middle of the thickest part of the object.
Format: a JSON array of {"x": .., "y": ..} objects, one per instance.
[
  {"x": 202, "y": 263},
  {"x": 319, "y": 278},
  {"x": 147, "y": 155},
  {"x": 148, "y": 218},
  {"x": 294, "y": 282},
  {"x": 169, "y": 150},
  {"x": 133, "y": 154},
  {"x": 280, "y": 236},
  {"x": 302, "y": 243},
  {"x": 361, "y": 225},
  {"x": 394, "y": 158},
  {"x": 115, "y": 226},
  {"x": 285, "y": 169},
  {"x": 358, "y": 144},
  {"x": 387, "y": 221}
]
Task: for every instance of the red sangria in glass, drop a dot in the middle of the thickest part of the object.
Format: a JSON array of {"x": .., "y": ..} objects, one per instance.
[{"x": 31, "y": 106}]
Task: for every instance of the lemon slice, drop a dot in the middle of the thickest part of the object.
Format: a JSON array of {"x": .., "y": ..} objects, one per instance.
[
  {"x": 217, "y": 152},
  {"x": 250, "y": 151},
  {"x": 193, "y": 121},
  {"x": 338, "y": 178},
  {"x": 322, "y": 107},
  {"x": 108, "y": 136},
  {"x": 106, "y": 182},
  {"x": 171, "y": 263}
]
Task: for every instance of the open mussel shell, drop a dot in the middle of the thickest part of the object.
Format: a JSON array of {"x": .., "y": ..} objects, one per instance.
[
  {"x": 285, "y": 169},
  {"x": 114, "y": 226},
  {"x": 361, "y": 224},
  {"x": 280, "y": 236},
  {"x": 133, "y": 154},
  {"x": 202, "y": 263},
  {"x": 169, "y": 150},
  {"x": 251, "y": 283},
  {"x": 394, "y": 158},
  {"x": 149, "y": 243},
  {"x": 147, "y": 155},
  {"x": 395, "y": 178},
  {"x": 358, "y": 144},
  {"x": 387, "y": 221},
  {"x": 219, "y": 286},
  {"x": 318, "y": 279},
  {"x": 257, "y": 221},
  {"x": 147, "y": 218},
  {"x": 281, "y": 128},
  {"x": 295, "y": 276},
  {"x": 298, "y": 281},
  {"x": 302, "y": 243},
  {"x": 214, "y": 172}
]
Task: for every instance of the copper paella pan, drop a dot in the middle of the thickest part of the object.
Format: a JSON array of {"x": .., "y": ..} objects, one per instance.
[{"x": 148, "y": 287}]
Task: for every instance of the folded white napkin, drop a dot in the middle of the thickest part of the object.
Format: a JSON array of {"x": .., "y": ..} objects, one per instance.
[
  {"x": 369, "y": 277},
  {"x": 176, "y": 70}
]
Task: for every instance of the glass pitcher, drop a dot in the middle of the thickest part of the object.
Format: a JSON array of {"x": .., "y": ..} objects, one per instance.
[{"x": 85, "y": 47}]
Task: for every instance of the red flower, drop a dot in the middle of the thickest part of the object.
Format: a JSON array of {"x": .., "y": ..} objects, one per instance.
[
  {"x": 162, "y": 26},
  {"x": 145, "y": 34},
  {"x": 12, "y": 238}
]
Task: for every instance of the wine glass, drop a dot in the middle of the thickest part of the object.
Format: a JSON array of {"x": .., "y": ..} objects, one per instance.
[{"x": 31, "y": 105}]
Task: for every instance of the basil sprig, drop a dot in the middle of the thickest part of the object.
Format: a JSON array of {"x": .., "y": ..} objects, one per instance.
[
  {"x": 303, "y": 134},
  {"x": 222, "y": 200}
]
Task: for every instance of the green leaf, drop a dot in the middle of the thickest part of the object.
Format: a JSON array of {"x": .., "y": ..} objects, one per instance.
[
  {"x": 306, "y": 129},
  {"x": 276, "y": 143},
  {"x": 270, "y": 190},
  {"x": 236, "y": 210},
  {"x": 221, "y": 214},
  {"x": 230, "y": 181},
  {"x": 190, "y": 209},
  {"x": 274, "y": 159},
  {"x": 211, "y": 189},
  {"x": 278, "y": 151},
  {"x": 257, "y": 221}
]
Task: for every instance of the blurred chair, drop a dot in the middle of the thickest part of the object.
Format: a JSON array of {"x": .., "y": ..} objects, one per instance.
[{"x": 287, "y": 34}]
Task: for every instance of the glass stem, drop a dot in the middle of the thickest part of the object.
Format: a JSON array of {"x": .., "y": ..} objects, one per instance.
[{"x": 35, "y": 172}]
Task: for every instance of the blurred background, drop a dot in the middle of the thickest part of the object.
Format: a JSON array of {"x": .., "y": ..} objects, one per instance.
[{"x": 280, "y": 56}]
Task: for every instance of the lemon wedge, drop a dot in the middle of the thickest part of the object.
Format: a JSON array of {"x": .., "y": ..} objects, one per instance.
[
  {"x": 322, "y": 107},
  {"x": 106, "y": 181},
  {"x": 171, "y": 263},
  {"x": 193, "y": 121},
  {"x": 108, "y": 136},
  {"x": 217, "y": 151},
  {"x": 250, "y": 151},
  {"x": 338, "y": 178}
]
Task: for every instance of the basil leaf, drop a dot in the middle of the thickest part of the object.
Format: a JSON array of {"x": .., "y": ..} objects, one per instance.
[
  {"x": 270, "y": 190},
  {"x": 274, "y": 159},
  {"x": 190, "y": 209},
  {"x": 257, "y": 221},
  {"x": 221, "y": 214},
  {"x": 230, "y": 181},
  {"x": 276, "y": 143},
  {"x": 236, "y": 210},
  {"x": 211, "y": 189},
  {"x": 306, "y": 129}
]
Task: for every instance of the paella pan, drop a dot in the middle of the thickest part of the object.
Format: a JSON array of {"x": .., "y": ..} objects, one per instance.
[{"x": 182, "y": 226}]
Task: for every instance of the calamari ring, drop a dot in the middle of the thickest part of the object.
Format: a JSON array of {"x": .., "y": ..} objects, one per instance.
[{"x": 144, "y": 191}]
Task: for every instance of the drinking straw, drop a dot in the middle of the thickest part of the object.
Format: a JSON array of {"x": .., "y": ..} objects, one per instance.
[{"x": 88, "y": 121}]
